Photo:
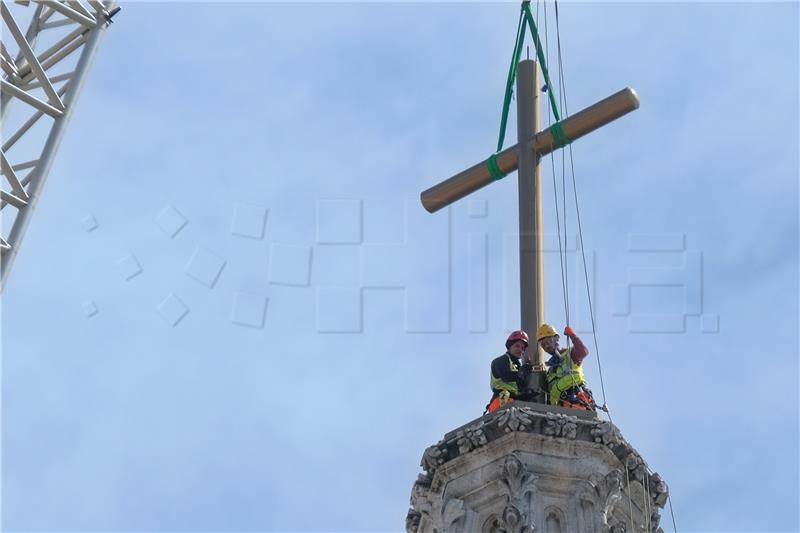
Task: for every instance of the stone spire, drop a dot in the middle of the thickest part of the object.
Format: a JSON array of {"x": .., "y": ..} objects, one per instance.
[{"x": 523, "y": 469}]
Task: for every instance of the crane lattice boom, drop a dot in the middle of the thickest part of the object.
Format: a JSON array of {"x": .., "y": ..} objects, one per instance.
[{"x": 44, "y": 70}]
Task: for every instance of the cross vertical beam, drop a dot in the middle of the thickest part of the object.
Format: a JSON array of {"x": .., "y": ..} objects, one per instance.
[{"x": 531, "y": 264}]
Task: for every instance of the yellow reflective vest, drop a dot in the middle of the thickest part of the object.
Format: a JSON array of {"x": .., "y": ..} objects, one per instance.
[
  {"x": 566, "y": 375},
  {"x": 506, "y": 375}
]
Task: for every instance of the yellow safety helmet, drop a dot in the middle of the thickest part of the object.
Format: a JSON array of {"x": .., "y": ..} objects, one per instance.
[{"x": 546, "y": 330}]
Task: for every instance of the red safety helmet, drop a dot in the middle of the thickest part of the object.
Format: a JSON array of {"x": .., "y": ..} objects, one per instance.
[{"x": 517, "y": 336}]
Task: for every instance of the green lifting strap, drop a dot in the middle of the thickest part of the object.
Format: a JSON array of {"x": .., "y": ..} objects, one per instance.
[
  {"x": 540, "y": 54},
  {"x": 512, "y": 74},
  {"x": 525, "y": 20},
  {"x": 559, "y": 137},
  {"x": 494, "y": 168}
]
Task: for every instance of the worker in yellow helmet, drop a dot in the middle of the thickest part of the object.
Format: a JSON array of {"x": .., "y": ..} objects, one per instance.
[{"x": 565, "y": 381}]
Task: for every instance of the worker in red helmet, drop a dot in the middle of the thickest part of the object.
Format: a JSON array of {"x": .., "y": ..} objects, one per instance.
[{"x": 509, "y": 373}]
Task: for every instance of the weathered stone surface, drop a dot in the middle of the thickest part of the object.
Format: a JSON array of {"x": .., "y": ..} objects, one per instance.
[
  {"x": 561, "y": 426},
  {"x": 433, "y": 457},
  {"x": 521, "y": 470},
  {"x": 412, "y": 521}
]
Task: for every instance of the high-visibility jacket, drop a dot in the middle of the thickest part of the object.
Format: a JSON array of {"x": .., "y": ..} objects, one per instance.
[
  {"x": 563, "y": 377},
  {"x": 507, "y": 375}
]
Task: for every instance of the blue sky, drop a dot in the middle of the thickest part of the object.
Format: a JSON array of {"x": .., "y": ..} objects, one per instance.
[{"x": 347, "y": 329}]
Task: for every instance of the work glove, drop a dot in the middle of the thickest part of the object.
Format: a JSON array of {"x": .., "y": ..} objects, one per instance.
[
  {"x": 569, "y": 332},
  {"x": 553, "y": 361}
]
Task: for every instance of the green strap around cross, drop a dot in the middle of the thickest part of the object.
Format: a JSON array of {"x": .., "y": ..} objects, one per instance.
[{"x": 559, "y": 137}]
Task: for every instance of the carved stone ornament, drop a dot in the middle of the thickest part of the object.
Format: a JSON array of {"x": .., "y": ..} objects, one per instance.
[
  {"x": 452, "y": 515},
  {"x": 412, "y": 521},
  {"x": 558, "y": 425},
  {"x": 514, "y": 419},
  {"x": 607, "y": 434},
  {"x": 419, "y": 497},
  {"x": 636, "y": 468},
  {"x": 516, "y": 482},
  {"x": 617, "y": 527},
  {"x": 655, "y": 518},
  {"x": 433, "y": 457},
  {"x": 610, "y": 491},
  {"x": 659, "y": 491},
  {"x": 512, "y": 521},
  {"x": 471, "y": 438}
]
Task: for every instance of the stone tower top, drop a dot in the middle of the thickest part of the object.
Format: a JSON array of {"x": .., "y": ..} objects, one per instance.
[{"x": 521, "y": 470}]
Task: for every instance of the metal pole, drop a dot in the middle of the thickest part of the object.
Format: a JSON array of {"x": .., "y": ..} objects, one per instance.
[{"x": 531, "y": 281}]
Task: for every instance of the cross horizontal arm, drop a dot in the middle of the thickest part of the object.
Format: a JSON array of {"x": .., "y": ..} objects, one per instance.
[{"x": 544, "y": 142}]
